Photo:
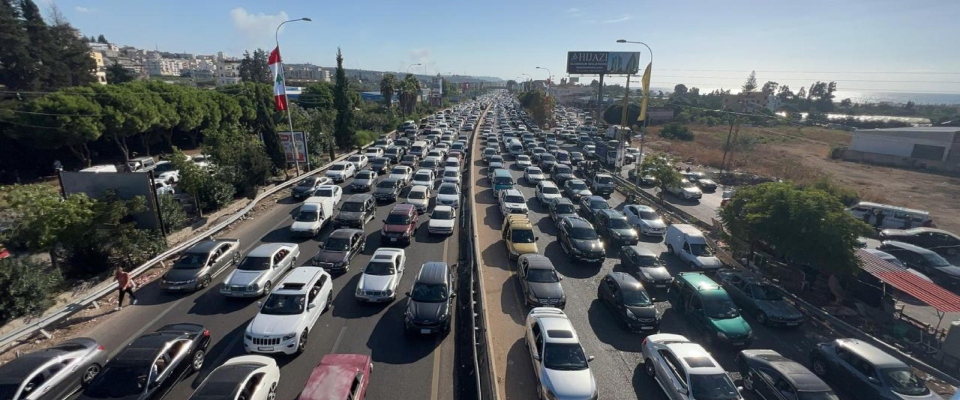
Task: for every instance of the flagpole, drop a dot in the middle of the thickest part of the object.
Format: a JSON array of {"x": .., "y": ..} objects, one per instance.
[
  {"x": 286, "y": 102},
  {"x": 646, "y": 95}
]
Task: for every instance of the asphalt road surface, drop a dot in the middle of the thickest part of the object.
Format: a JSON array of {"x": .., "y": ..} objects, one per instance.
[
  {"x": 404, "y": 367},
  {"x": 617, "y": 366}
]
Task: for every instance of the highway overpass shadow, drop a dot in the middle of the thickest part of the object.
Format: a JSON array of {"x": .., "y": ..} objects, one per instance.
[
  {"x": 510, "y": 294},
  {"x": 345, "y": 305},
  {"x": 646, "y": 385},
  {"x": 383, "y": 341},
  {"x": 610, "y": 329},
  {"x": 211, "y": 302},
  {"x": 567, "y": 266},
  {"x": 521, "y": 381},
  {"x": 492, "y": 218},
  {"x": 229, "y": 345}
]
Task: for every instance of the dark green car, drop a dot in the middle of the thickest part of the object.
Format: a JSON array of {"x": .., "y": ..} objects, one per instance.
[{"x": 711, "y": 310}]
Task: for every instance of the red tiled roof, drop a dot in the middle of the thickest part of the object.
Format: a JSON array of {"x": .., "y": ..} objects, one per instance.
[{"x": 930, "y": 293}]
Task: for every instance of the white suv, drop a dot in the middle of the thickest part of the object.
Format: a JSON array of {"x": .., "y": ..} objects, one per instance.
[
  {"x": 558, "y": 359},
  {"x": 512, "y": 202},
  {"x": 289, "y": 313},
  {"x": 381, "y": 276},
  {"x": 548, "y": 192},
  {"x": 685, "y": 370}
]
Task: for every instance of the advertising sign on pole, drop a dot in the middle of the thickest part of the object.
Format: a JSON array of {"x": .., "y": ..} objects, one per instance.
[
  {"x": 603, "y": 62},
  {"x": 286, "y": 141}
]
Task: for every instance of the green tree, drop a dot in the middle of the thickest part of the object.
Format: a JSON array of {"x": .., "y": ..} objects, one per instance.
[
  {"x": 538, "y": 105},
  {"x": 124, "y": 114},
  {"x": 163, "y": 98},
  {"x": 680, "y": 89},
  {"x": 115, "y": 237},
  {"x": 388, "y": 86},
  {"x": 770, "y": 87},
  {"x": 29, "y": 287},
  {"x": 70, "y": 118},
  {"x": 408, "y": 92},
  {"x": 660, "y": 167},
  {"x": 344, "y": 130},
  {"x": 16, "y": 64},
  {"x": 68, "y": 56},
  {"x": 102, "y": 39},
  {"x": 751, "y": 83},
  {"x": 255, "y": 68},
  {"x": 210, "y": 192},
  {"x": 807, "y": 226},
  {"x": 242, "y": 159},
  {"x": 37, "y": 34},
  {"x": 43, "y": 220},
  {"x": 117, "y": 74},
  {"x": 172, "y": 214},
  {"x": 675, "y": 130},
  {"x": 318, "y": 95}
]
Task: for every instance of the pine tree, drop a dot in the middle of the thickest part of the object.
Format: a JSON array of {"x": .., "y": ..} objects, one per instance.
[
  {"x": 751, "y": 83},
  {"x": 102, "y": 39},
  {"x": 344, "y": 131},
  {"x": 37, "y": 33},
  {"x": 15, "y": 62}
]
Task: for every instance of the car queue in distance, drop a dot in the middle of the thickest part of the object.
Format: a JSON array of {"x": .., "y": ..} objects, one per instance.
[
  {"x": 716, "y": 307},
  {"x": 293, "y": 296}
]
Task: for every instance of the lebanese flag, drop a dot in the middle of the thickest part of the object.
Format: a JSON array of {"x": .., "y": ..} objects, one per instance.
[{"x": 279, "y": 89}]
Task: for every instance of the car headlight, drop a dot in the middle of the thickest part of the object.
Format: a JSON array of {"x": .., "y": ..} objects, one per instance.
[
  {"x": 721, "y": 335},
  {"x": 359, "y": 291},
  {"x": 247, "y": 336},
  {"x": 289, "y": 336},
  {"x": 630, "y": 314},
  {"x": 191, "y": 281},
  {"x": 253, "y": 286},
  {"x": 388, "y": 292},
  {"x": 406, "y": 233},
  {"x": 633, "y": 232},
  {"x": 549, "y": 394}
]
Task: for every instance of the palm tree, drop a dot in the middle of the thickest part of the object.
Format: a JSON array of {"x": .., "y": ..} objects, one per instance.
[
  {"x": 388, "y": 86},
  {"x": 408, "y": 91}
]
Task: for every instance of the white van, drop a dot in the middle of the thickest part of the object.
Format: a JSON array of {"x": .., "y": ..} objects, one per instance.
[
  {"x": 313, "y": 215},
  {"x": 687, "y": 242},
  {"x": 420, "y": 148},
  {"x": 515, "y": 147},
  {"x": 894, "y": 217}
]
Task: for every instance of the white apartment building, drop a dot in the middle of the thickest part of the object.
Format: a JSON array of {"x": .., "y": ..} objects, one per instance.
[
  {"x": 101, "y": 68},
  {"x": 228, "y": 70},
  {"x": 305, "y": 73},
  {"x": 750, "y": 101},
  {"x": 158, "y": 66}
]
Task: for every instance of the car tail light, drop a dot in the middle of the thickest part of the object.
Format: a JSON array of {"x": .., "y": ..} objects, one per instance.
[
  {"x": 100, "y": 347},
  {"x": 206, "y": 333},
  {"x": 644, "y": 342}
]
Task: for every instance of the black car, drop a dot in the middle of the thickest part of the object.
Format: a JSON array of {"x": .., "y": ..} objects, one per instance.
[
  {"x": 306, "y": 186},
  {"x": 540, "y": 282},
  {"x": 151, "y": 364},
  {"x": 356, "y": 211},
  {"x": 590, "y": 205},
  {"x": 394, "y": 153},
  {"x": 429, "y": 302},
  {"x": 561, "y": 174},
  {"x": 926, "y": 261},
  {"x": 614, "y": 226},
  {"x": 388, "y": 189},
  {"x": 938, "y": 240},
  {"x": 629, "y": 301},
  {"x": 775, "y": 377},
  {"x": 338, "y": 249},
  {"x": 644, "y": 264},
  {"x": 561, "y": 208},
  {"x": 580, "y": 241},
  {"x": 380, "y": 165},
  {"x": 866, "y": 372},
  {"x": 52, "y": 373},
  {"x": 547, "y": 161}
]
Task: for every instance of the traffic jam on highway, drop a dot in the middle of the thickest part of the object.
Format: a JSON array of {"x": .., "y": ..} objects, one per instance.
[{"x": 354, "y": 273}]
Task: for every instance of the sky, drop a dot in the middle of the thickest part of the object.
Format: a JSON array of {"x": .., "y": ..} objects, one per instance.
[{"x": 864, "y": 45}]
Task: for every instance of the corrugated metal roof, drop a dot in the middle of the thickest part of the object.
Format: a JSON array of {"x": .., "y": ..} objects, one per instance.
[{"x": 930, "y": 293}]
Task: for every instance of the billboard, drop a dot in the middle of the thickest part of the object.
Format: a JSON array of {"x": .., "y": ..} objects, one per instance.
[
  {"x": 127, "y": 185},
  {"x": 603, "y": 62},
  {"x": 286, "y": 141}
]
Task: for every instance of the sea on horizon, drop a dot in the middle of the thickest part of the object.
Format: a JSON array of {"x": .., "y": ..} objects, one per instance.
[{"x": 874, "y": 97}]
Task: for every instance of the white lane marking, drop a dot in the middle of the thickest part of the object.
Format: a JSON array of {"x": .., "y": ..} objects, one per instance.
[
  {"x": 146, "y": 326},
  {"x": 336, "y": 344}
]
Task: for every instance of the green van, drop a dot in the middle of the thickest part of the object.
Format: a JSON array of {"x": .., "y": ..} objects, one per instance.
[
  {"x": 502, "y": 180},
  {"x": 711, "y": 310}
]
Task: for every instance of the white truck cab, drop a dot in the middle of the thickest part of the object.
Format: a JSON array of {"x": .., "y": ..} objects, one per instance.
[
  {"x": 313, "y": 215},
  {"x": 688, "y": 243}
]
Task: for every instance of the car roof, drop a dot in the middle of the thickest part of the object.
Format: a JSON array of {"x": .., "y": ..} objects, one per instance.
[
  {"x": 698, "y": 280},
  {"x": 224, "y": 382},
  {"x": 423, "y": 171},
  {"x": 203, "y": 247},
  {"x": 562, "y": 200},
  {"x": 694, "y": 358},
  {"x": 578, "y": 222},
  {"x": 298, "y": 279},
  {"x": 267, "y": 249},
  {"x": 547, "y": 183},
  {"x": 402, "y": 209},
  {"x": 538, "y": 261},
  {"x": 640, "y": 207},
  {"x": 386, "y": 252},
  {"x": 868, "y": 352},
  {"x": 433, "y": 272},
  {"x": 642, "y": 251},
  {"x": 625, "y": 280},
  {"x": 512, "y": 192},
  {"x": 796, "y": 374},
  {"x": 344, "y": 233},
  {"x": 553, "y": 322},
  {"x": 419, "y": 188},
  {"x": 613, "y": 214},
  {"x": 443, "y": 208},
  {"x": 906, "y": 246},
  {"x": 358, "y": 198}
]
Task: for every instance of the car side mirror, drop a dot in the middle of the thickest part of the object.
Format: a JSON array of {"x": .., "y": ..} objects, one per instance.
[
  {"x": 682, "y": 391},
  {"x": 407, "y": 293},
  {"x": 591, "y": 358},
  {"x": 560, "y": 277},
  {"x": 536, "y": 357},
  {"x": 311, "y": 306},
  {"x": 452, "y": 295},
  {"x": 259, "y": 304},
  {"x": 535, "y": 238},
  {"x": 873, "y": 380}
]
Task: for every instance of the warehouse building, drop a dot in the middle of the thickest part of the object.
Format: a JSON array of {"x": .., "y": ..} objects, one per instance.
[{"x": 934, "y": 147}]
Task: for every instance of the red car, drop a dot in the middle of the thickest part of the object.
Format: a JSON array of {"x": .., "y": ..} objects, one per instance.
[
  {"x": 400, "y": 225},
  {"x": 339, "y": 377}
]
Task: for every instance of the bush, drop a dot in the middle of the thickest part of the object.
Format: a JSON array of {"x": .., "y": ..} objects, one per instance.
[
  {"x": 364, "y": 137},
  {"x": 845, "y": 195},
  {"x": 676, "y": 131},
  {"x": 29, "y": 287},
  {"x": 172, "y": 214},
  {"x": 214, "y": 193}
]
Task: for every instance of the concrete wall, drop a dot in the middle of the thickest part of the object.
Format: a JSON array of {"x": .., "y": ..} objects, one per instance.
[
  {"x": 900, "y": 161},
  {"x": 901, "y": 141}
]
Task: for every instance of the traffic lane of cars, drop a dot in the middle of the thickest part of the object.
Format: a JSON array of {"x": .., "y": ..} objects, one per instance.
[
  {"x": 349, "y": 327},
  {"x": 616, "y": 349}
]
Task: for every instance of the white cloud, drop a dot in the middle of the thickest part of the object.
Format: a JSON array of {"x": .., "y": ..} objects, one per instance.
[
  {"x": 82, "y": 10},
  {"x": 573, "y": 10},
  {"x": 257, "y": 29},
  {"x": 624, "y": 18}
]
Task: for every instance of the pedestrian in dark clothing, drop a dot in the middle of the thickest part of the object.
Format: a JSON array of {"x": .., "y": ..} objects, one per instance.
[
  {"x": 866, "y": 217},
  {"x": 124, "y": 285},
  {"x": 880, "y": 217}
]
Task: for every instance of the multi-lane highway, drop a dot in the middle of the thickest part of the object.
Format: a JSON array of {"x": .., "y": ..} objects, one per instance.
[
  {"x": 404, "y": 367},
  {"x": 617, "y": 366}
]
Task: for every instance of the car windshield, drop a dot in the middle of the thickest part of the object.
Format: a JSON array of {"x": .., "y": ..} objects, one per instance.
[
  {"x": 323, "y": 192},
  {"x": 352, "y": 206},
  {"x": 635, "y": 298},
  {"x": 523, "y": 158},
  {"x": 564, "y": 357},
  {"x": 562, "y": 170},
  {"x": 165, "y": 167},
  {"x": 354, "y": 159},
  {"x": 336, "y": 244},
  {"x": 398, "y": 219},
  {"x": 564, "y": 209},
  {"x": 700, "y": 250},
  {"x": 254, "y": 264},
  {"x": 539, "y": 275},
  {"x": 429, "y": 293},
  {"x": 576, "y": 154},
  {"x": 284, "y": 304},
  {"x": 547, "y": 157},
  {"x": 599, "y": 205},
  {"x": 308, "y": 216},
  {"x": 387, "y": 184},
  {"x": 721, "y": 309},
  {"x": 648, "y": 215},
  {"x": 604, "y": 180},
  {"x": 118, "y": 381},
  {"x": 441, "y": 214},
  {"x": 766, "y": 292},
  {"x": 713, "y": 387},
  {"x": 563, "y": 156},
  {"x": 306, "y": 183},
  {"x": 428, "y": 164},
  {"x": 338, "y": 167},
  {"x": 903, "y": 381},
  {"x": 450, "y": 174},
  {"x": 378, "y": 161},
  {"x": 583, "y": 233},
  {"x": 417, "y": 195},
  {"x": 365, "y": 175},
  {"x": 648, "y": 262},
  {"x": 550, "y": 190},
  {"x": 534, "y": 171},
  {"x": 522, "y": 236},
  {"x": 379, "y": 268},
  {"x": 936, "y": 261},
  {"x": 618, "y": 223},
  {"x": 448, "y": 189},
  {"x": 513, "y": 199},
  {"x": 577, "y": 186},
  {"x": 188, "y": 261},
  {"x": 828, "y": 395},
  {"x": 399, "y": 171}
]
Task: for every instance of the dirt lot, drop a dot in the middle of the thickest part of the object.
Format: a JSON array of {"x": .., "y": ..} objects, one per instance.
[{"x": 801, "y": 154}]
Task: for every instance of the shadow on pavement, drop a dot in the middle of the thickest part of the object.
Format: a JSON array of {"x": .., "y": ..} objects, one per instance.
[
  {"x": 495, "y": 255},
  {"x": 345, "y": 305},
  {"x": 492, "y": 218},
  {"x": 152, "y": 295},
  {"x": 521, "y": 381},
  {"x": 484, "y": 195},
  {"x": 568, "y": 267},
  {"x": 230, "y": 345},
  {"x": 609, "y": 329},
  {"x": 510, "y": 294},
  {"x": 651, "y": 239},
  {"x": 646, "y": 385},
  {"x": 212, "y": 302},
  {"x": 383, "y": 339},
  {"x": 282, "y": 235}
]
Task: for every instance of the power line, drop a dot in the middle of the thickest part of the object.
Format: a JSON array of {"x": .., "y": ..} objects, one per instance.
[
  {"x": 816, "y": 72},
  {"x": 50, "y": 114},
  {"x": 799, "y": 79}
]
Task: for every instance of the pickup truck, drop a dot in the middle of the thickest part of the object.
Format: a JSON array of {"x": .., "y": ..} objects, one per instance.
[{"x": 601, "y": 184}]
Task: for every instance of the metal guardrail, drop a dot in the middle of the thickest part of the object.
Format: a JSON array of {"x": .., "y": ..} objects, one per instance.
[
  {"x": 849, "y": 330},
  {"x": 39, "y": 325}
]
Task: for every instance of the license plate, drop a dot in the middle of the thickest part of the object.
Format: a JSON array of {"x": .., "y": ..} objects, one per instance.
[
  {"x": 792, "y": 323},
  {"x": 393, "y": 239},
  {"x": 660, "y": 286},
  {"x": 425, "y": 331},
  {"x": 737, "y": 344},
  {"x": 646, "y": 327},
  {"x": 174, "y": 288},
  {"x": 265, "y": 348}
]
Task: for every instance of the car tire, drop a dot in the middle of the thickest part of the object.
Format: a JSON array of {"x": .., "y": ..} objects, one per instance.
[
  {"x": 670, "y": 249},
  {"x": 204, "y": 281},
  {"x": 649, "y": 368},
  {"x": 326, "y": 307},
  {"x": 196, "y": 361},
  {"x": 747, "y": 382},
  {"x": 819, "y": 367},
  {"x": 762, "y": 318},
  {"x": 302, "y": 343},
  {"x": 88, "y": 375},
  {"x": 272, "y": 394},
  {"x": 266, "y": 287}
]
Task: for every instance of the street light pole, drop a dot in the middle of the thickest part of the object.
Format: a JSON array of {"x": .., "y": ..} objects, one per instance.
[
  {"x": 293, "y": 138},
  {"x": 643, "y": 130},
  {"x": 411, "y": 66}
]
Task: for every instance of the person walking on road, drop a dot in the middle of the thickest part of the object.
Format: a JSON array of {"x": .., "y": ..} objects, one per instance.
[{"x": 124, "y": 285}]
